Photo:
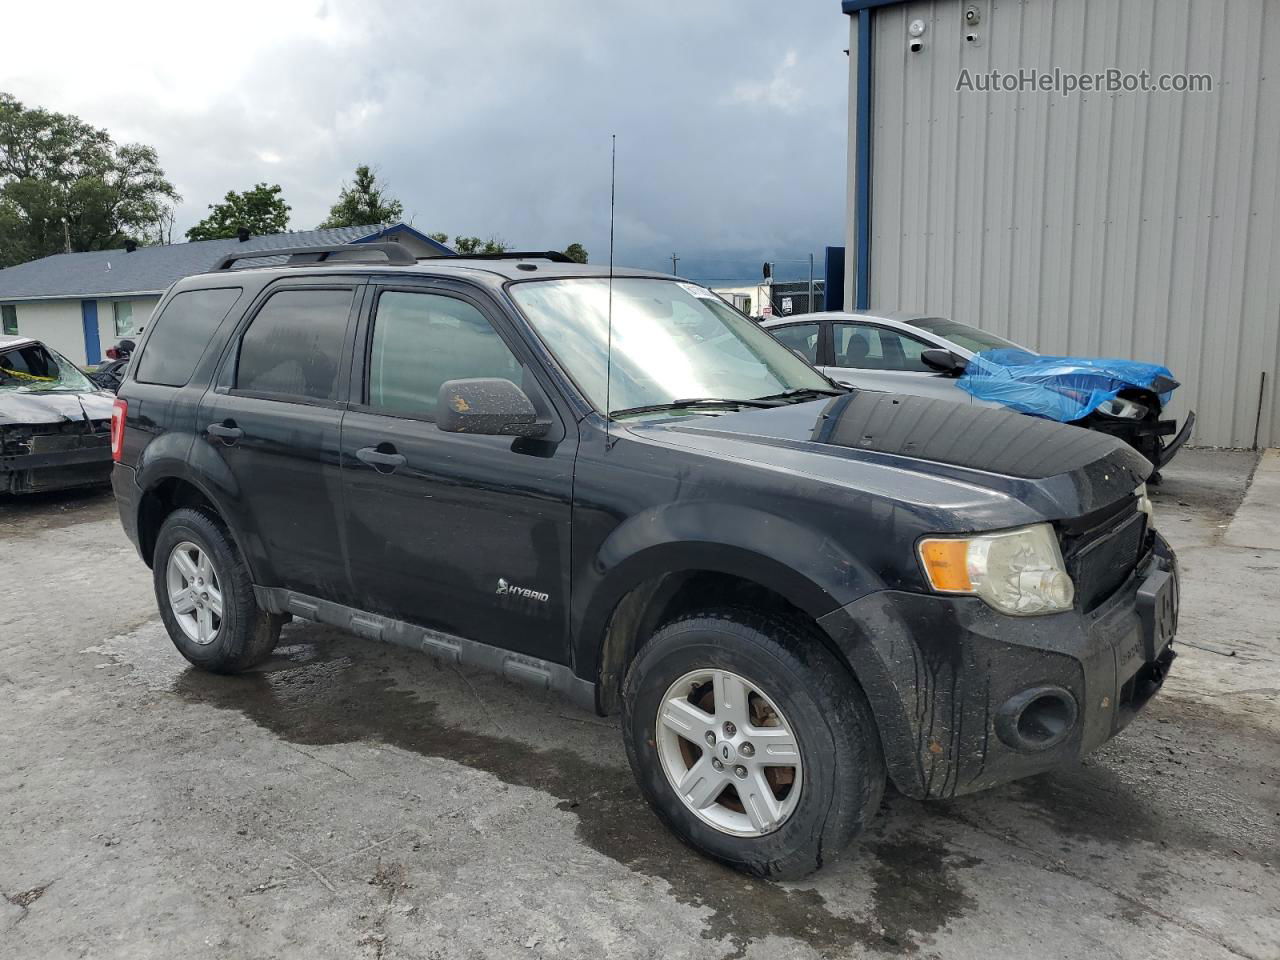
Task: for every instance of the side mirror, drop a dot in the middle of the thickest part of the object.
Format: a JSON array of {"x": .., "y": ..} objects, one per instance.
[
  {"x": 944, "y": 361},
  {"x": 489, "y": 406}
]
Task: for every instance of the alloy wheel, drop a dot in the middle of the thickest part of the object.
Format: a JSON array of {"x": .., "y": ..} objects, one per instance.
[
  {"x": 195, "y": 593},
  {"x": 729, "y": 753}
]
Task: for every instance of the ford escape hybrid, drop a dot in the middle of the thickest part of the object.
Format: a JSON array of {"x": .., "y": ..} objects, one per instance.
[{"x": 623, "y": 490}]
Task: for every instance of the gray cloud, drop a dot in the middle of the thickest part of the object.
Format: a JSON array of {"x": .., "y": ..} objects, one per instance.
[{"x": 492, "y": 117}]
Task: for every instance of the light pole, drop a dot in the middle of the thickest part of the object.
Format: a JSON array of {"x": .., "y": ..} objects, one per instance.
[{"x": 674, "y": 261}]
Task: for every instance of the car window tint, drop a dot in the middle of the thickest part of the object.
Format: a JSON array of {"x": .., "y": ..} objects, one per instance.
[
  {"x": 181, "y": 333},
  {"x": 800, "y": 336},
  {"x": 420, "y": 340},
  {"x": 293, "y": 346},
  {"x": 863, "y": 346}
]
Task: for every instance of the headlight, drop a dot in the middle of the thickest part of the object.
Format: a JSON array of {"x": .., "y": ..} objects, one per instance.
[
  {"x": 1019, "y": 572},
  {"x": 1124, "y": 409}
]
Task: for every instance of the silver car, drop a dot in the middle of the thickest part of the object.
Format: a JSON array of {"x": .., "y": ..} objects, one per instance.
[{"x": 883, "y": 351}]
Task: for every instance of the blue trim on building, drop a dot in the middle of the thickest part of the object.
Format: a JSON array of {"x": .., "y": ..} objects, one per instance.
[
  {"x": 862, "y": 168},
  {"x": 397, "y": 227},
  {"x": 833, "y": 286},
  {"x": 92, "y": 345},
  {"x": 857, "y": 6}
]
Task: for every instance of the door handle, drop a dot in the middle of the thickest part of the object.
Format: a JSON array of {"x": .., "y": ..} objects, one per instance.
[
  {"x": 380, "y": 461},
  {"x": 227, "y": 431}
]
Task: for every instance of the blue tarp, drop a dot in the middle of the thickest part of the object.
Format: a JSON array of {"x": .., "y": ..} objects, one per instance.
[{"x": 1059, "y": 388}]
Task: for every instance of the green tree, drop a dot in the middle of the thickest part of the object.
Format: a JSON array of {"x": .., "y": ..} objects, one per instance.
[
  {"x": 64, "y": 182},
  {"x": 363, "y": 202},
  {"x": 439, "y": 237},
  {"x": 469, "y": 245},
  {"x": 576, "y": 252},
  {"x": 260, "y": 211}
]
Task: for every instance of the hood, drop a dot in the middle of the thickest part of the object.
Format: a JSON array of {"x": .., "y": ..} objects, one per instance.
[
  {"x": 29, "y": 409},
  {"x": 1033, "y": 469}
]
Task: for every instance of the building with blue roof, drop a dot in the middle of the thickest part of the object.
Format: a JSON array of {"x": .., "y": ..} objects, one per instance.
[{"x": 82, "y": 303}]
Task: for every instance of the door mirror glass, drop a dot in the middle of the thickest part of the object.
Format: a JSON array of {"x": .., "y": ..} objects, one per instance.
[
  {"x": 944, "y": 361},
  {"x": 489, "y": 406}
]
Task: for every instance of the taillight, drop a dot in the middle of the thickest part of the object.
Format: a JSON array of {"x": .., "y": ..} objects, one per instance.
[{"x": 119, "y": 410}]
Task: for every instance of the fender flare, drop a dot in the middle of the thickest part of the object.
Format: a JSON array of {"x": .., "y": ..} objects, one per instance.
[{"x": 803, "y": 565}]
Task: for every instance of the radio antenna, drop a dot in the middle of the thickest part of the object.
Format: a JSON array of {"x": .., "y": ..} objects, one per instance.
[{"x": 608, "y": 354}]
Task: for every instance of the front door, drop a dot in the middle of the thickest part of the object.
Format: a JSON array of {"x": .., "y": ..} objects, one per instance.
[
  {"x": 873, "y": 357},
  {"x": 273, "y": 421},
  {"x": 468, "y": 535}
]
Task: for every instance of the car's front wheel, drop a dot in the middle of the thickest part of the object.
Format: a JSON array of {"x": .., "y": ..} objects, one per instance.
[
  {"x": 205, "y": 595},
  {"x": 752, "y": 741}
]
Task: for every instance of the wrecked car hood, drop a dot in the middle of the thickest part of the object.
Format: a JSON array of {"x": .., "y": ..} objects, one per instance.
[
  {"x": 1031, "y": 469},
  {"x": 26, "y": 408},
  {"x": 1059, "y": 388}
]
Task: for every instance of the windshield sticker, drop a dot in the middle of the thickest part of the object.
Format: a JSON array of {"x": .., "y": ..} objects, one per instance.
[{"x": 702, "y": 293}]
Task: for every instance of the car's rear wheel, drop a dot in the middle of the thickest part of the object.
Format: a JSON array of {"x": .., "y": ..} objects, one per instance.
[
  {"x": 205, "y": 595},
  {"x": 752, "y": 741}
]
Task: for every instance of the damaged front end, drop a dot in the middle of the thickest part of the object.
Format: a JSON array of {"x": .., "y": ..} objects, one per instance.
[
  {"x": 55, "y": 425},
  {"x": 1122, "y": 398},
  {"x": 54, "y": 456}
]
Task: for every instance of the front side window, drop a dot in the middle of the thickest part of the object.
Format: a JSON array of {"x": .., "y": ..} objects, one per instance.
[
  {"x": 863, "y": 346},
  {"x": 9, "y": 316},
  {"x": 34, "y": 368},
  {"x": 421, "y": 340},
  {"x": 294, "y": 346},
  {"x": 123, "y": 311},
  {"x": 800, "y": 336},
  {"x": 670, "y": 341}
]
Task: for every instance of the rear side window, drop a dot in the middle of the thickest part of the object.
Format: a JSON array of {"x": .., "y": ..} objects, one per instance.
[
  {"x": 420, "y": 340},
  {"x": 293, "y": 346},
  {"x": 866, "y": 347},
  {"x": 802, "y": 337},
  {"x": 182, "y": 331}
]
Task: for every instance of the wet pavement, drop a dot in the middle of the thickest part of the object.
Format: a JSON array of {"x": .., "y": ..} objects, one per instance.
[{"x": 349, "y": 799}]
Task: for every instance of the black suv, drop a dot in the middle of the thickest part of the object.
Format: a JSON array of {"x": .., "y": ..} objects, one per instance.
[{"x": 620, "y": 488}]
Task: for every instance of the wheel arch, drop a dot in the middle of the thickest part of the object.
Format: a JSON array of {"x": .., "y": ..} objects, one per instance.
[
  {"x": 659, "y": 584},
  {"x": 167, "y": 491}
]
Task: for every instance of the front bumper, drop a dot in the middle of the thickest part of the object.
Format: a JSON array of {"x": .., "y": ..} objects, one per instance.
[
  {"x": 947, "y": 676},
  {"x": 83, "y": 466}
]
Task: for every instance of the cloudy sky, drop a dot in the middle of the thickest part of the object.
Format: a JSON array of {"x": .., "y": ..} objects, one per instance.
[{"x": 483, "y": 117}]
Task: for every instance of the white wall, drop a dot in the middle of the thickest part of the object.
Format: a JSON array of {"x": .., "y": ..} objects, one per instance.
[
  {"x": 55, "y": 322},
  {"x": 142, "y": 308},
  {"x": 60, "y": 324},
  {"x": 1137, "y": 225}
]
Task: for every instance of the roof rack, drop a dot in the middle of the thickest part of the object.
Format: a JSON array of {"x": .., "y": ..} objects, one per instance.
[
  {"x": 555, "y": 256},
  {"x": 393, "y": 254}
]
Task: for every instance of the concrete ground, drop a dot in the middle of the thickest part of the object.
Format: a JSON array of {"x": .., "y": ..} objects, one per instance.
[{"x": 356, "y": 800}]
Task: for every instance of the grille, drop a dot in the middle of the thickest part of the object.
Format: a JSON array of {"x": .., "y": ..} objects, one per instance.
[{"x": 1101, "y": 562}]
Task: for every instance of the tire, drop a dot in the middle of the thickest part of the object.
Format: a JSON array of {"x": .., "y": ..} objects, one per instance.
[
  {"x": 242, "y": 635},
  {"x": 798, "y": 683}
]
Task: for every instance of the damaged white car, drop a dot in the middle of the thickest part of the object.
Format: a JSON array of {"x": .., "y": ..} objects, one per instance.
[{"x": 54, "y": 422}]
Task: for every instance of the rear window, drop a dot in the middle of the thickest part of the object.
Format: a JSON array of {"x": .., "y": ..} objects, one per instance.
[
  {"x": 293, "y": 345},
  {"x": 182, "y": 331}
]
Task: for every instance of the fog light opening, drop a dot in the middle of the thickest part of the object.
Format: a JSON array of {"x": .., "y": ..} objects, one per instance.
[
  {"x": 1045, "y": 720},
  {"x": 1036, "y": 719}
]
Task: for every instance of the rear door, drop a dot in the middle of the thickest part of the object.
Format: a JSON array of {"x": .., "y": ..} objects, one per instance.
[
  {"x": 271, "y": 424},
  {"x": 468, "y": 535}
]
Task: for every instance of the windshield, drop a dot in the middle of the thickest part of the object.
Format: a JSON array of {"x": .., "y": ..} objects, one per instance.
[
  {"x": 671, "y": 341},
  {"x": 34, "y": 368},
  {"x": 971, "y": 338}
]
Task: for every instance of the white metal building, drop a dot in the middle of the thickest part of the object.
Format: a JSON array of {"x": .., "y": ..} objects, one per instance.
[{"x": 1111, "y": 222}]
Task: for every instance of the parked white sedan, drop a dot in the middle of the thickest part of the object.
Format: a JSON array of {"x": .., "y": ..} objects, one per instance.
[{"x": 883, "y": 351}]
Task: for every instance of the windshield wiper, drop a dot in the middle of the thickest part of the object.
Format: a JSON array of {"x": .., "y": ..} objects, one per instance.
[
  {"x": 696, "y": 402},
  {"x": 801, "y": 393}
]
